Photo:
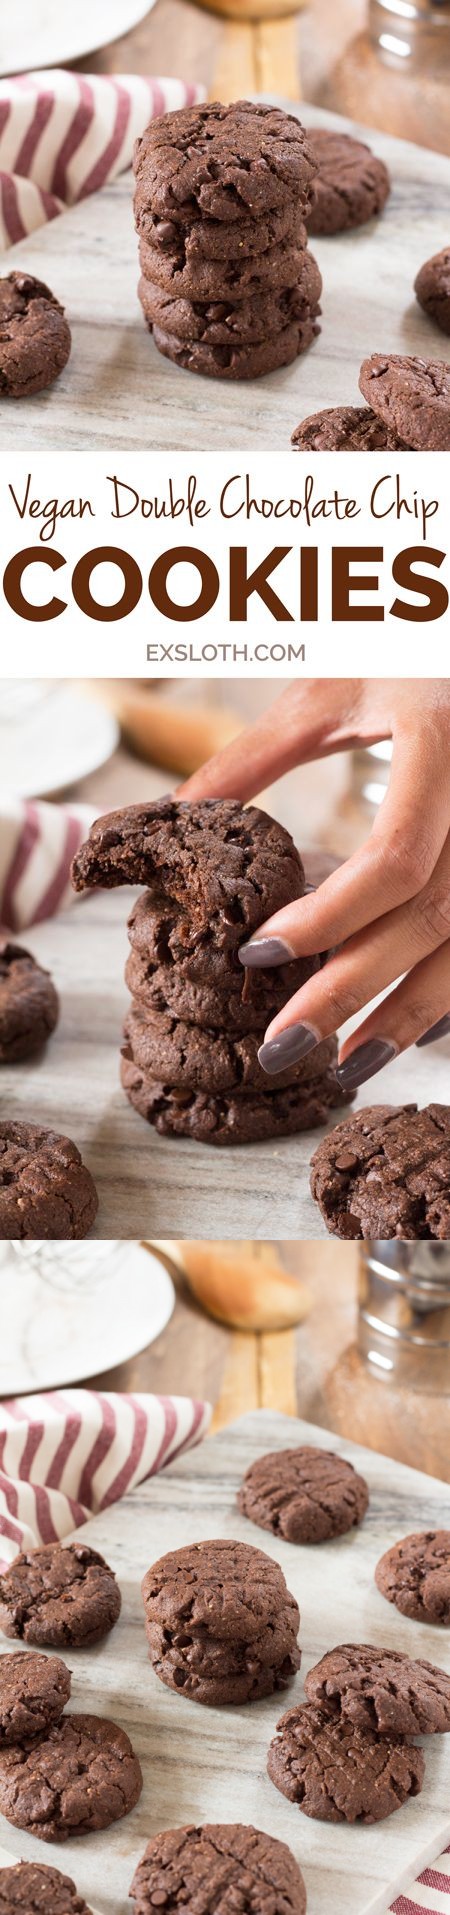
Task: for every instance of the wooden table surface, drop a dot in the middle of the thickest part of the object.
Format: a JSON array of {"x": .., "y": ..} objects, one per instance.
[
  {"x": 340, "y": 68},
  {"x": 315, "y": 1372}
]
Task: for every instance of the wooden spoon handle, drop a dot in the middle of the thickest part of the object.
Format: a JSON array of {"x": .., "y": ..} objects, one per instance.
[{"x": 258, "y": 58}]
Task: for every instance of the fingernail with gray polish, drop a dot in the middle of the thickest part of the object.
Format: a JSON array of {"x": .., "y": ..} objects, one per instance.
[
  {"x": 365, "y": 1062},
  {"x": 440, "y": 1029},
  {"x": 287, "y": 1049},
  {"x": 264, "y": 952}
]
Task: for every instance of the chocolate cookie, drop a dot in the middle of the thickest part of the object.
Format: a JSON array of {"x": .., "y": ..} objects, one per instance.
[
  {"x": 233, "y": 282},
  {"x": 35, "y": 338},
  {"x": 411, "y": 396},
  {"x": 80, "y": 1777},
  {"x": 45, "y": 1189},
  {"x": 222, "y": 1866},
  {"x": 344, "y": 429},
  {"x": 33, "y": 1693},
  {"x": 165, "y": 937},
  {"x": 382, "y": 1690},
  {"x": 220, "y": 1674},
  {"x": 224, "y": 162},
  {"x": 239, "y": 362},
  {"x": 228, "y": 1588},
  {"x": 189, "y": 1058},
  {"x": 351, "y": 185},
  {"x": 229, "y": 867},
  {"x": 59, "y": 1596},
  {"x": 415, "y": 1575},
  {"x": 386, "y": 1173},
  {"x": 218, "y": 323},
  {"x": 210, "y": 239},
  {"x": 337, "y": 1772},
  {"x": 36, "y": 1890},
  {"x": 243, "y": 1000},
  {"x": 232, "y": 1119},
  {"x": 29, "y": 1007},
  {"x": 432, "y": 287},
  {"x": 306, "y": 1495}
]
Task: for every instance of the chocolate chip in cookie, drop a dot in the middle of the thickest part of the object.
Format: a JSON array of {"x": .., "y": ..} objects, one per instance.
[
  {"x": 59, "y": 1596},
  {"x": 382, "y": 1690},
  {"x": 45, "y": 1189},
  {"x": 34, "y": 1691},
  {"x": 306, "y": 1495},
  {"x": 224, "y": 1866},
  {"x": 415, "y": 1575},
  {"x": 385, "y": 1174},
  {"x": 81, "y": 1777},
  {"x": 224, "y": 162},
  {"x": 336, "y": 1772},
  {"x": 35, "y": 338},
  {"x": 29, "y": 1006}
]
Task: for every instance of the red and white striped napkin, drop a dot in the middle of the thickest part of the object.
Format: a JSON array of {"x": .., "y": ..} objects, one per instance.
[
  {"x": 430, "y": 1895},
  {"x": 64, "y": 135},
  {"x": 37, "y": 844},
  {"x": 65, "y": 1455}
]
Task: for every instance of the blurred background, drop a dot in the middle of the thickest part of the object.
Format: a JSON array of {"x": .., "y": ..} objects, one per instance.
[{"x": 109, "y": 742}]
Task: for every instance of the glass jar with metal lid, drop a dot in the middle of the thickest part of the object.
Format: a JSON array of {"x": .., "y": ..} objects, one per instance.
[{"x": 404, "y": 1313}]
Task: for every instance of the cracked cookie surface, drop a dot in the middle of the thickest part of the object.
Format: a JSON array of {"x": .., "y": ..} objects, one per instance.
[
  {"x": 385, "y": 1173},
  {"x": 45, "y": 1189},
  {"x": 34, "y": 1691},
  {"x": 381, "y": 1690},
  {"x": 250, "y": 289},
  {"x": 34, "y": 1889},
  {"x": 415, "y": 1575},
  {"x": 29, "y": 1006},
  {"x": 336, "y": 1772},
  {"x": 230, "y": 1588},
  {"x": 224, "y": 1869},
  {"x": 35, "y": 338},
  {"x": 81, "y": 1777},
  {"x": 242, "y": 1001},
  {"x": 344, "y": 429},
  {"x": 240, "y": 362},
  {"x": 191, "y": 1058},
  {"x": 224, "y": 162},
  {"x": 198, "y": 240},
  {"x": 351, "y": 185},
  {"x": 232, "y": 1118},
  {"x": 219, "y": 322},
  {"x": 412, "y": 396},
  {"x": 306, "y": 1495},
  {"x": 227, "y": 865},
  {"x": 59, "y": 1596}
]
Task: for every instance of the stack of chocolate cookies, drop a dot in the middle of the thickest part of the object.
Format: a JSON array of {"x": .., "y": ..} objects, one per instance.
[
  {"x": 221, "y": 1624},
  {"x": 190, "y": 1054},
  {"x": 228, "y": 287}
]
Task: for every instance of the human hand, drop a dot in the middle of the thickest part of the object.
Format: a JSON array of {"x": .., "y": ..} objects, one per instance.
[{"x": 388, "y": 907}]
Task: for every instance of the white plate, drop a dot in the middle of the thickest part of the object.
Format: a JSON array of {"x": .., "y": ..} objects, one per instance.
[
  {"x": 49, "y": 1341},
  {"x": 38, "y": 33},
  {"x": 50, "y": 737}
]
